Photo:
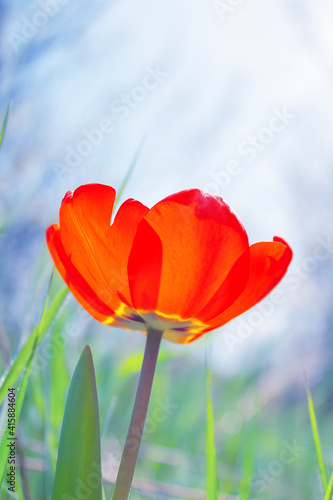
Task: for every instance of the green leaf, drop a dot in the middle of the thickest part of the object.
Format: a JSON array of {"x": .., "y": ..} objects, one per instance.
[
  {"x": 316, "y": 439},
  {"x": 9, "y": 379},
  {"x": 211, "y": 462},
  {"x": 78, "y": 471},
  {"x": 329, "y": 491},
  {"x": 4, "y": 124}
]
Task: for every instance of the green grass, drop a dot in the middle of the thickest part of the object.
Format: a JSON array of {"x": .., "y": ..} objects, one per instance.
[
  {"x": 27, "y": 351},
  {"x": 329, "y": 491},
  {"x": 22, "y": 365},
  {"x": 316, "y": 439},
  {"x": 211, "y": 459},
  {"x": 4, "y": 125},
  {"x": 173, "y": 454},
  {"x": 249, "y": 457}
]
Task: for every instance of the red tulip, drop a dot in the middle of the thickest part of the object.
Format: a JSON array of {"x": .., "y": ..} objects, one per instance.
[{"x": 184, "y": 267}]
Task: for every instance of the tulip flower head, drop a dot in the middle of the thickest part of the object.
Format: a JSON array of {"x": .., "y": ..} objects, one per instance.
[{"x": 183, "y": 267}]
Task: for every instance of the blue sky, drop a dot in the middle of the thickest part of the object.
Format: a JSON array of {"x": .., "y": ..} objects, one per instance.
[{"x": 232, "y": 97}]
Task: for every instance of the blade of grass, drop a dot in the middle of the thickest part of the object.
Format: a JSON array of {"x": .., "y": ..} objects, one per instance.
[
  {"x": 4, "y": 449},
  {"x": 329, "y": 491},
  {"x": 22, "y": 358},
  {"x": 48, "y": 456},
  {"x": 245, "y": 485},
  {"x": 60, "y": 381},
  {"x": 316, "y": 438},
  {"x": 78, "y": 471},
  {"x": 4, "y": 125},
  {"x": 249, "y": 454},
  {"x": 19, "y": 490},
  {"x": 37, "y": 394},
  {"x": 130, "y": 170},
  {"x": 211, "y": 462},
  {"x": 133, "y": 364},
  {"x": 109, "y": 416},
  {"x": 23, "y": 469}
]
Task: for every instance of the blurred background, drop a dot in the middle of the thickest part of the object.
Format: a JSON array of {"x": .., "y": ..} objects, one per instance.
[{"x": 232, "y": 97}]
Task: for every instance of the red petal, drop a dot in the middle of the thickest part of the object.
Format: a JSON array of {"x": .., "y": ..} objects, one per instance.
[
  {"x": 119, "y": 241},
  {"x": 201, "y": 239},
  {"x": 85, "y": 218},
  {"x": 230, "y": 289},
  {"x": 268, "y": 264},
  {"x": 145, "y": 267},
  {"x": 91, "y": 248},
  {"x": 81, "y": 290}
]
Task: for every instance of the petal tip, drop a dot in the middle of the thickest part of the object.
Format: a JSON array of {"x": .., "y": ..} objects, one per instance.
[
  {"x": 68, "y": 197},
  {"x": 50, "y": 231},
  {"x": 288, "y": 251},
  {"x": 90, "y": 188}
]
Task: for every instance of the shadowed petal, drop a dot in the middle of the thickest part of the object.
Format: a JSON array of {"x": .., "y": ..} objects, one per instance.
[
  {"x": 268, "y": 264},
  {"x": 230, "y": 289},
  {"x": 145, "y": 267},
  {"x": 201, "y": 239},
  {"x": 119, "y": 242}
]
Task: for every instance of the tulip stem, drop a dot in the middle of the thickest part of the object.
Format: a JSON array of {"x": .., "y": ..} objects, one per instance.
[{"x": 138, "y": 418}]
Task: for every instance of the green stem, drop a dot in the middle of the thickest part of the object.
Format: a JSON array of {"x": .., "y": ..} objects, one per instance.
[{"x": 139, "y": 413}]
